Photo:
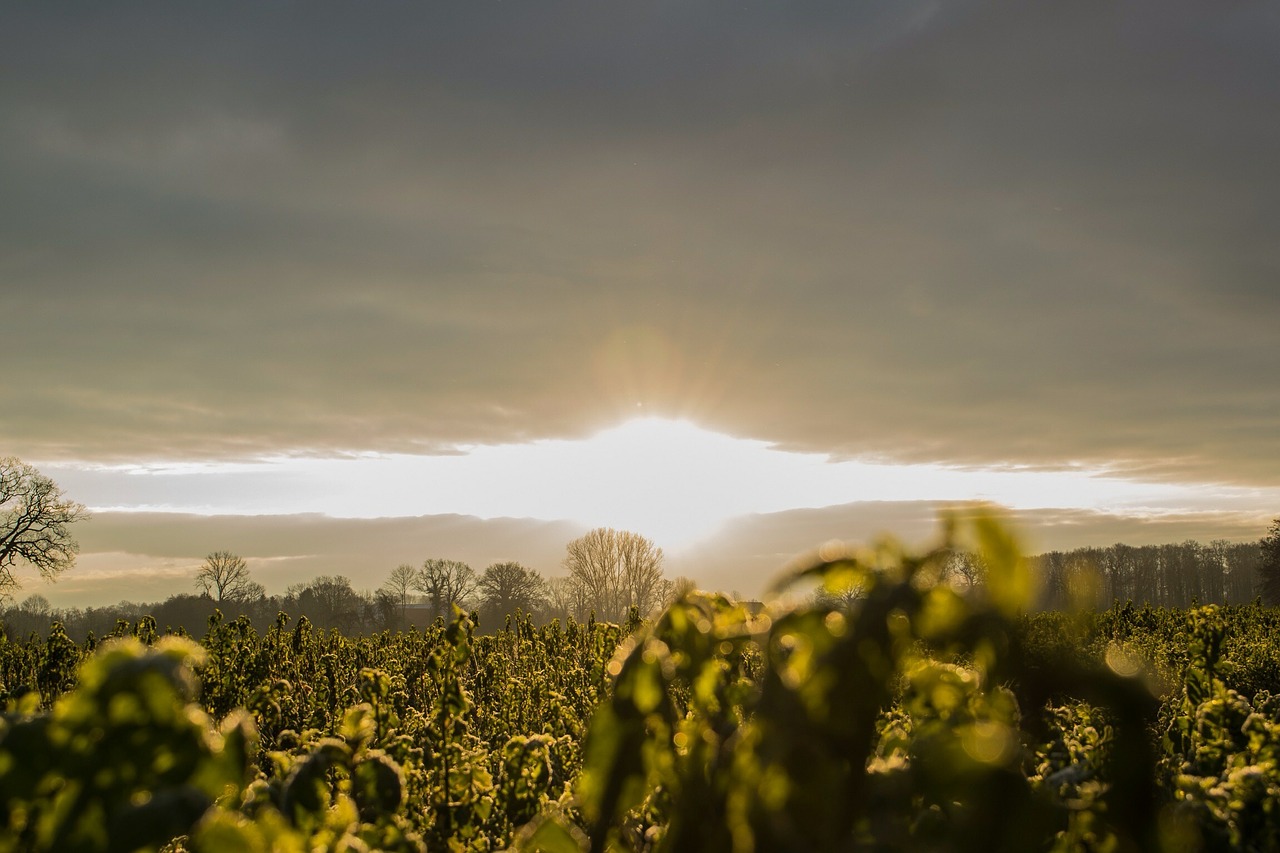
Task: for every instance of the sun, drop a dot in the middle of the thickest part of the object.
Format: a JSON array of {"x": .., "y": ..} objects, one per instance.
[
  {"x": 669, "y": 480},
  {"x": 672, "y": 481}
]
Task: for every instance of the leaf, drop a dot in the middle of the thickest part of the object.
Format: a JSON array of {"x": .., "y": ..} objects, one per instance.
[{"x": 548, "y": 835}]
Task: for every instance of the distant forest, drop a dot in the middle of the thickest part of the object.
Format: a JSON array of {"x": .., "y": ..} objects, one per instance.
[
  {"x": 326, "y": 602},
  {"x": 1160, "y": 575},
  {"x": 1177, "y": 575}
]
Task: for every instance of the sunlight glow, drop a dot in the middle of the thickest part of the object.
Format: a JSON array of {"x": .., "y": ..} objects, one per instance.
[{"x": 669, "y": 480}]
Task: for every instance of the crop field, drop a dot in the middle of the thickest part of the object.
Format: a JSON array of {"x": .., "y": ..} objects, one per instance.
[
  {"x": 917, "y": 717},
  {"x": 415, "y": 417}
]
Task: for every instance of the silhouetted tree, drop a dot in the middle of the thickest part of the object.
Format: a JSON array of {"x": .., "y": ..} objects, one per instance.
[
  {"x": 36, "y": 605},
  {"x": 1269, "y": 565},
  {"x": 642, "y": 581},
  {"x": 384, "y": 611},
  {"x": 842, "y": 598},
  {"x": 395, "y": 592},
  {"x": 445, "y": 583},
  {"x": 33, "y": 615},
  {"x": 1170, "y": 575},
  {"x": 400, "y": 583},
  {"x": 187, "y": 611},
  {"x": 34, "y": 524},
  {"x": 565, "y": 598},
  {"x": 507, "y": 587},
  {"x": 330, "y": 602},
  {"x": 677, "y": 588},
  {"x": 614, "y": 571},
  {"x": 225, "y": 577},
  {"x": 963, "y": 568}
]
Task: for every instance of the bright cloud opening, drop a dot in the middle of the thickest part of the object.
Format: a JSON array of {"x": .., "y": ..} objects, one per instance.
[{"x": 670, "y": 480}]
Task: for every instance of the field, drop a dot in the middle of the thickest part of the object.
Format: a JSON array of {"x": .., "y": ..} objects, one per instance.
[{"x": 919, "y": 717}]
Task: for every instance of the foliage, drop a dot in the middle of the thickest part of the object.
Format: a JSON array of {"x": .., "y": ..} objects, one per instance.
[
  {"x": 924, "y": 714},
  {"x": 124, "y": 761},
  {"x": 477, "y": 734},
  {"x": 883, "y": 726}
]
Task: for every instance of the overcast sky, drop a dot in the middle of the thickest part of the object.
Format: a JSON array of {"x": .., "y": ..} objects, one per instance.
[{"x": 957, "y": 233}]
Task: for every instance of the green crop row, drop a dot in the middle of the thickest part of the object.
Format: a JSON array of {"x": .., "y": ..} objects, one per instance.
[{"x": 920, "y": 717}]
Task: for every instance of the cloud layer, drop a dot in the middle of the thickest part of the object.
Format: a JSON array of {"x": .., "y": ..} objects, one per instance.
[{"x": 967, "y": 232}]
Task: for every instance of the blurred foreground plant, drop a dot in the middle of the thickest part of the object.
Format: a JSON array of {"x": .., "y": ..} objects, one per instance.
[
  {"x": 894, "y": 712},
  {"x": 124, "y": 761},
  {"x": 884, "y": 725}
]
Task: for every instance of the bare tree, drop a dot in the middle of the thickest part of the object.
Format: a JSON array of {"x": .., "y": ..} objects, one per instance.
[
  {"x": 225, "y": 577},
  {"x": 641, "y": 564},
  {"x": 445, "y": 583},
  {"x": 592, "y": 563},
  {"x": 1269, "y": 566},
  {"x": 963, "y": 568},
  {"x": 565, "y": 598},
  {"x": 32, "y": 616},
  {"x": 36, "y": 605},
  {"x": 615, "y": 570},
  {"x": 507, "y": 587},
  {"x": 842, "y": 598},
  {"x": 400, "y": 582},
  {"x": 34, "y": 520},
  {"x": 678, "y": 588}
]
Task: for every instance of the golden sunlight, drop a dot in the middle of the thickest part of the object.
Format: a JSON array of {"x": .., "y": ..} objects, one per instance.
[{"x": 669, "y": 480}]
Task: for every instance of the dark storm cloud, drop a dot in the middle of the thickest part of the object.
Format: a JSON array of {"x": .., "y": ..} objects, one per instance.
[{"x": 970, "y": 231}]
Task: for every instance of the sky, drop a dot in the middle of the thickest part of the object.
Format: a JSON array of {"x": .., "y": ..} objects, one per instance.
[{"x": 288, "y": 278}]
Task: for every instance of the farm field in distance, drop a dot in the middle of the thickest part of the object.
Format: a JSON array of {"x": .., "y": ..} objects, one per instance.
[{"x": 914, "y": 715}]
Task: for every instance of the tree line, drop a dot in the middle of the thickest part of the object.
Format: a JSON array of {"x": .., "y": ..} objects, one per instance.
[
  {"x": 1180, "y": 575},
  {"x": 921, "y": 719},
  {"x": 607, "y": 573},
  {"x": 1174, "y": 575}
]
